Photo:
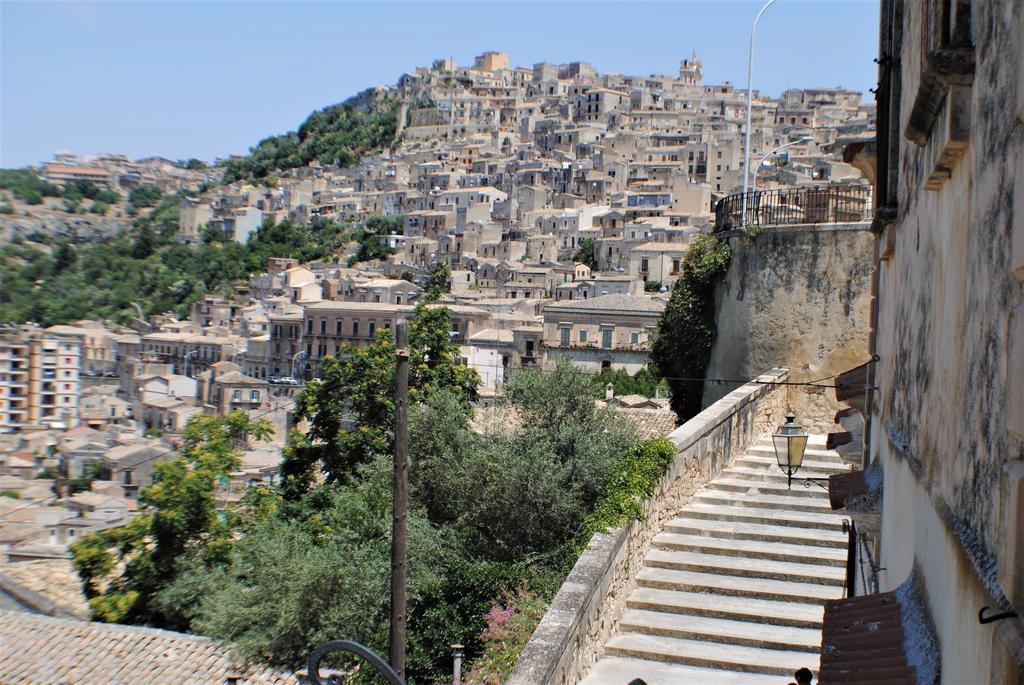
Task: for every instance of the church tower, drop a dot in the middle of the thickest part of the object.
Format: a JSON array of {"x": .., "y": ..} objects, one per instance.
[{"x": 690, "y": 71}]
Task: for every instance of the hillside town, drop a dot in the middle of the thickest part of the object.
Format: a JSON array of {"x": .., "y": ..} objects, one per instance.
[{"x": 562, "y": 200}]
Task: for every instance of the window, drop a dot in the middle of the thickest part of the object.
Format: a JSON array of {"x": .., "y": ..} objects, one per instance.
[
  {"x": 355, "y": 329},
  {"x": 675, "y": 266},
  {"x": 565, "y": 331},
  {"x": 583, "y": 336},
  {"x": 309, "y": 326},
  {"x": 323, "y": 326},
  {"x": 373, "y": 328},
  {"x": 127, "y": 477},
  {"x": 236, "y": 396},
  {"x": 254, "y": 395},
  {"x": 643, "y": 265},
  {"x": 606, "y": 338},
  {"x": 337, "y": 327},
  {"x": 634, "y": 338}
]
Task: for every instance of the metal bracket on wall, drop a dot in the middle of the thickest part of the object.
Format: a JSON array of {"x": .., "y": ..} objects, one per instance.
[{"x": 983, "y": 619}]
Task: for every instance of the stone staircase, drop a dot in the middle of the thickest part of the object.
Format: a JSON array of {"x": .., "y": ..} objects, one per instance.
[{"x": 732, "y": 589}]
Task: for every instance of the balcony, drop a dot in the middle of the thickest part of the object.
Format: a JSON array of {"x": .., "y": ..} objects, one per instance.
[{"x": 830, "y": 205}]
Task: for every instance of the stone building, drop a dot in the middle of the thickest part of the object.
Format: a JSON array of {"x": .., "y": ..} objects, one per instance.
[{"x": 945, "y": 399}]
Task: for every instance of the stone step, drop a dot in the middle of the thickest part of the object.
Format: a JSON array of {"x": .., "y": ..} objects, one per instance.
[
  {"x": 617, "y": 670},
  {"x": 737, "y": 586},
  {"x": 746, "y": 567},
  {"x": 775, "y": 475},
  {"x": 732, "y": 482},
  {"x": 710, "y": 654},
  {"x": 739, "y": 530},
  {"x": 721, "y": 630},
  {"x": 780, "y": 551},
  {"x": 778, "y": 517},
  {"x": 811, "y": 454},
  {"x": 764, "y": 501},
  {"x": 826, "y": 468},
  {"x": 765, "y": 611}
]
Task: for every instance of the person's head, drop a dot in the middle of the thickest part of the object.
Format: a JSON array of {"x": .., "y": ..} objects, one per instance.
[
  {"x": 637, "y": 681},
  {"x": 803, "y": 676}
]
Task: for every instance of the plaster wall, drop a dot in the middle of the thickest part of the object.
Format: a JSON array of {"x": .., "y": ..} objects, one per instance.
[
  {"x": 942, "y": 427},
  {"x": 796, "y": 297},
  {"x": 914, "y": 533}
]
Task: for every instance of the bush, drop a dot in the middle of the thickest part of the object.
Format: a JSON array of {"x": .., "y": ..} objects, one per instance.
[
  {"x": 144, "y": 196},
  {"x": 6, "y": 209},
  {"x": 510, "y": 623},
  {"x": 629, "y": 483}
]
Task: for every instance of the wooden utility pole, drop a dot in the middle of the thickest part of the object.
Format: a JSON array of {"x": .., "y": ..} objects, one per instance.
[{"x": 400, "y": 504}]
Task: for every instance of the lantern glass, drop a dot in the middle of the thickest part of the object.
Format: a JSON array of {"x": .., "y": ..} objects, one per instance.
[{"x": 790, "y": 442}]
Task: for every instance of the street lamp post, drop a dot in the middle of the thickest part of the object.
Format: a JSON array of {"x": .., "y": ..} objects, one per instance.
[
  {"x": 757, "y": 167},
  {"x": 750, "y": 78}
]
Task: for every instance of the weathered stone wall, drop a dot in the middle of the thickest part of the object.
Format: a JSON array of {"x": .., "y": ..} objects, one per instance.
[
  {"x": 587, "y": 608},
  {"x": 948, "y": 428},
  {"x": 797, "y": 297}
]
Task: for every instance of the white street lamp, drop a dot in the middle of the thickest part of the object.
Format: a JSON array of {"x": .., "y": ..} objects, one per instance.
[
  {"x": 750, "y": 78},
  {"x": 757, "y": 167}
]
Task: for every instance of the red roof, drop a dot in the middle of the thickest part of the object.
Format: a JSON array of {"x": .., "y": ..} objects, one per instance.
[
  {"x": 842, "y": 486},
  {"x": 862, "y": 642}
]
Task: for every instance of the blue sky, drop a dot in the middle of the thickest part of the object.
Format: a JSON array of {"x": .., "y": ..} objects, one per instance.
[{"x": 202, "y": 79}]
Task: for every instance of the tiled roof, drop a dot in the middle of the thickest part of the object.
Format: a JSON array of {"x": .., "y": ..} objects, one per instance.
[
  {"x": 41, "y": 649},
  {"x": 52, "y": 579},
  {"x": 881, "y": 639},
  {"x": 621, "y": 303},
  {"x": 862, "y": 642},
  {"x": 842, "y": 486}
]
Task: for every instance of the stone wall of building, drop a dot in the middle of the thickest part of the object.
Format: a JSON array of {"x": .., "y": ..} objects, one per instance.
[
  {"x": 587, "y": 608},
  {"x": 947, "y": 429},
  {"x": 797, "y": 297}
]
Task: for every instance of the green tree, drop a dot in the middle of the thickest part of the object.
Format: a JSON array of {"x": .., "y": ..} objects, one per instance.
[
  {"x": 686, "y": 329},
  {"x": 144, "y": 243},
  {"x": 123, "y": 570},
  {"x": 586, "y": 254},
  {"x": 63, "y": 257},
  {"x": 523, "y": 488},
  {"x": 144, "y": 196},
  {"x": 294, "y": 583},
  {"x": 350, "y": 409},
  {"x": 438, "y": 282}
]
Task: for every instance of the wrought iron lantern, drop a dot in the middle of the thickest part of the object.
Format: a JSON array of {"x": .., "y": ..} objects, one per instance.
[{"x": 790, "y": 442}]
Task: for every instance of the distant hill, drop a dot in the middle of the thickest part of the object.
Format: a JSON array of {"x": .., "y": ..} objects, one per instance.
[{"x": 339, "y": 135}]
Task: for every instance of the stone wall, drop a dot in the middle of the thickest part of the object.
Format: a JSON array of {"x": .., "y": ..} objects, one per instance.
[
  {"x": 797, "y": 297},
  {"x": 948, "y": 427},
  {"x": 586, "y": 610}
]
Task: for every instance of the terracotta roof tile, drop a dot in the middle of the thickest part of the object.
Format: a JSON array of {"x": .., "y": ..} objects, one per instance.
[
  {"x": 41, "y": 649},
  {"x": 844, "y": 485}
]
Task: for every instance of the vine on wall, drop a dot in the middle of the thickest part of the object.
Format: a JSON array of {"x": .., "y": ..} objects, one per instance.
[{"x": 686, "y": 330}]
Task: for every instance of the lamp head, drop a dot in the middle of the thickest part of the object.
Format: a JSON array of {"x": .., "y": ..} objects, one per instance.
[{"x": 790, "y": 442}]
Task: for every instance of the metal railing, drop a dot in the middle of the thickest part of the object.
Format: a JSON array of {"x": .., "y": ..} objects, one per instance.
[{"x": 827, "y": 205}]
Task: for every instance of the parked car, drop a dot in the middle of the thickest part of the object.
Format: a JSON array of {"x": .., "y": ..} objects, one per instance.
[
  {"x": 273, "y": 379},
  {"x": 288, "y": 380}
]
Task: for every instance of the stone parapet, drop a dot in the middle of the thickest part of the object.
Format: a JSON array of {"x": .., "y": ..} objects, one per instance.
[{"x": 586, "y": 610}]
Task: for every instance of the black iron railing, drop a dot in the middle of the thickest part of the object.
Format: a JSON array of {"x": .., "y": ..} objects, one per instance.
[{"x": 831, "y": 204}]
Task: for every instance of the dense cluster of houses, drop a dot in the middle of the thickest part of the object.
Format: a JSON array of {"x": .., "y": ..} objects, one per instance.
[{"x": 563, "y": 201}]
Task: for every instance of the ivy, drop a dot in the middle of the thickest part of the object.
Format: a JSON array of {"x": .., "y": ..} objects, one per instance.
[
  {"x": 686, "y": 330},
  {"x": 631, "y": 481}
]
